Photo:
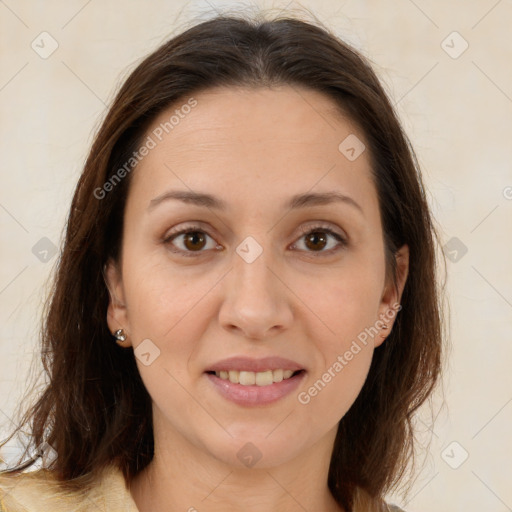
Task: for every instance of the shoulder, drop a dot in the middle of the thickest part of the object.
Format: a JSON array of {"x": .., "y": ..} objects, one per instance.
[
  {"x": 363, "y": 502},
  {"x": 23, "y": 491},
  {"x": 39, "y": 490},
  {"x": 394, "y": 508}
]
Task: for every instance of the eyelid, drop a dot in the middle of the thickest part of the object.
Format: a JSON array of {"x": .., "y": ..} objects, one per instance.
[{"x": 323, "y": 226}]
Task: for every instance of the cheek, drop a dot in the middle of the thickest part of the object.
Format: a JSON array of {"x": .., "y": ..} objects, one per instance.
[
  {"x": 165, "y": 307},
  {"x": 345, "y": 355},
  {"x": 346, "y": 305},
  {"x": 172, "y": 307},
  {"x": 161, "y": 295},
  {"x": 330, "y": 393},
  {"x": 345, "y": 300}
]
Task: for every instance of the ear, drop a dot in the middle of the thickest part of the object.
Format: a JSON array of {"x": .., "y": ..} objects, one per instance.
[
  {"x": 391, "y": 296},
  {"x": 117, "y": 315}
]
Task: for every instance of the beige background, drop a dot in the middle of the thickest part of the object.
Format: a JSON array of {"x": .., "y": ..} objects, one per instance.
[{"x": 457, "y": 111}]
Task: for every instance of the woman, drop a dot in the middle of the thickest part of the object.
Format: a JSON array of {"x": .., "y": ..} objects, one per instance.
[{"x": 245, "y": 313}]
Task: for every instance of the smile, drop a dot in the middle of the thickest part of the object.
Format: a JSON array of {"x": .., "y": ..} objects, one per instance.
[
  {"x": 255, "y": 388},
  {"x": 245, "y": 378}
]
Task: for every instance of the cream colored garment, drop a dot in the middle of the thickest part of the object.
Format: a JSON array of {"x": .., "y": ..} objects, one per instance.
[{"x": 36, "y": 491}]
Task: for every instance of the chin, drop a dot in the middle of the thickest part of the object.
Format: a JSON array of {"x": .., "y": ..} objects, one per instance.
[{"x": 255, "y": 449}]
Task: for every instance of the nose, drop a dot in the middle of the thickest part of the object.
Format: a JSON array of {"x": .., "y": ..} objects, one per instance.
[{"x": 256, "y": 301}]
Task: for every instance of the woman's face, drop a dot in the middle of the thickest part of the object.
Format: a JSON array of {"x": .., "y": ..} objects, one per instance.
[{"x": 249, "y": 282}]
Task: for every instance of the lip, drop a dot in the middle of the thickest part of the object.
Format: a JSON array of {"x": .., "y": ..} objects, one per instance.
[
  {"x": 248, "y": 364},
  {"x": 255, "y": 395}
]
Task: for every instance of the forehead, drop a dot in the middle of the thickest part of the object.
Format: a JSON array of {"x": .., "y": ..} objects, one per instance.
[
  {"x": 255, "y": 113},
  {"x": 253, "y": 141}
]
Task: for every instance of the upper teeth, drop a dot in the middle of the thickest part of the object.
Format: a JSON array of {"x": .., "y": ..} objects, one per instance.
[{"x": 255, "y": 378}]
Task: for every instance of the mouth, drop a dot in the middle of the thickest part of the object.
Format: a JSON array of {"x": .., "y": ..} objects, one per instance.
[
  {"x": 249, "y": 389},
  {"x": 248, "y": 378}
]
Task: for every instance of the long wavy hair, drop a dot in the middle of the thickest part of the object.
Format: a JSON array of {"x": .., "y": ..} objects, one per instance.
[{"x": 94, "y": 409}]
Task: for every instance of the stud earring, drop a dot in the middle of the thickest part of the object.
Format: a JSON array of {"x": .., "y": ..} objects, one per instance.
[
  {"x": 384, "y": 326},
  {"x": 120, "y": 336}
]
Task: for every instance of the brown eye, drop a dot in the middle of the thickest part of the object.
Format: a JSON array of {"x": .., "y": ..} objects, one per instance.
[
  {"x": 317, "y": 238},
  {"x": 190, "y": 241},
  {"x": 194, "y": 240}
]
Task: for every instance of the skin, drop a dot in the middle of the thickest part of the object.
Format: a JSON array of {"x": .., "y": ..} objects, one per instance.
[{"x": 254, "y": 149}]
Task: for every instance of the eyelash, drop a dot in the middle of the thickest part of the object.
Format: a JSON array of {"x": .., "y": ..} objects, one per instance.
[{"x": 304, "y": 232}]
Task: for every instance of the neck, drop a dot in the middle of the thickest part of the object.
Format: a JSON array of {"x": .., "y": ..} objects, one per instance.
[{"x": 181, "y": 476}]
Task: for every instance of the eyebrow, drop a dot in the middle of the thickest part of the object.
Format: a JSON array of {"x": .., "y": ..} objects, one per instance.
[{"x": 295, "y": 202}]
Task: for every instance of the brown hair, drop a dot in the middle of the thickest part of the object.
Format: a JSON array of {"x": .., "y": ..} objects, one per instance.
[{"x": 95, "y": 410}]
